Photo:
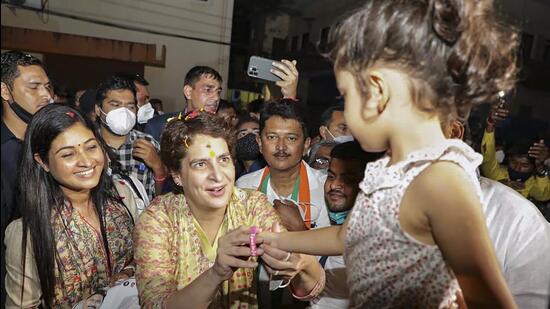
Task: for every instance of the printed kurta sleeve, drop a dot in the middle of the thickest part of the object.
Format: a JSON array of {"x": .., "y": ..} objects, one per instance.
[{"x": 155, "y": 271}]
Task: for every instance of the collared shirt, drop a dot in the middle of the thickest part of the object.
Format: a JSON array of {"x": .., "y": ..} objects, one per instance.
[
  {"x": 319, "y": 217},
  {"x": 136, "y": 167},
  {"x": 316, "y": 181}
]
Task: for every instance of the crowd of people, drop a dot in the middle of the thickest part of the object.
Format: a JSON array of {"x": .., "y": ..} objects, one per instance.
[{"x": 225, "y": 206}]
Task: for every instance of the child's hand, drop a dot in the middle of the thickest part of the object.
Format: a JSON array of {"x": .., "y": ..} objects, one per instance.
[{"x": 270, "y": 238}]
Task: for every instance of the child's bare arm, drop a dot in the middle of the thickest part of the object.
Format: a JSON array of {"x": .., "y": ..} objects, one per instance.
[
  {"x": 457, "y": 224},
  {"x": 322, "y": 241}
]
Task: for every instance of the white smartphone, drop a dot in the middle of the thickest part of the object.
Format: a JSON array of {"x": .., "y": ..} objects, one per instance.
[{"x": 259, "y": 67}]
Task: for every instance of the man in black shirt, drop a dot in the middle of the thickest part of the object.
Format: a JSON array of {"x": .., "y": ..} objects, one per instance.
[{"x": 25, "y": 89}]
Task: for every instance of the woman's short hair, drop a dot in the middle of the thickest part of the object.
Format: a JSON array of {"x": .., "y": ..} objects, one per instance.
[{"x": 179, "y": 133}]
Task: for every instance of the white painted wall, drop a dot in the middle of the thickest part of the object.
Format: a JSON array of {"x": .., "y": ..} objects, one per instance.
[{"x": 196, "y": 18}]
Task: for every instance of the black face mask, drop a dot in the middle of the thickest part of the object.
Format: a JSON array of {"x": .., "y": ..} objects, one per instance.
[
  {"x": 519, "y": 176},
  {"x": 247, "y": 148},
  {"x": 21, "y": 112}
]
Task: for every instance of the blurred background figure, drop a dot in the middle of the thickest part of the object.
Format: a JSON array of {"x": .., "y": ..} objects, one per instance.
[
  {"x": 523, "y": 168},
  {"x": 87, "y": 103},
  {"x": 319, "y": 154},
  {"x": 228, "y": 111},
  {"x": 249, "y": 157},
  {"x": 157, "y": 105}
]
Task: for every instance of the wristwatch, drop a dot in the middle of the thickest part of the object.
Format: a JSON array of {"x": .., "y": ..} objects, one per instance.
[{"x": 543, "y": 173}]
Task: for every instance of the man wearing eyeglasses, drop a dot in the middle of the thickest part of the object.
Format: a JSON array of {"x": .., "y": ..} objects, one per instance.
[
  {"x": 201, "y": 89},
  {"x": 319, "y": 155}
]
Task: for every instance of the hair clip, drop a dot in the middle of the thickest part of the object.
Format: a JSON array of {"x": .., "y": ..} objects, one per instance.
[
  {"x": 70, "y": 114},
  {"x": 185, "y": 138}
]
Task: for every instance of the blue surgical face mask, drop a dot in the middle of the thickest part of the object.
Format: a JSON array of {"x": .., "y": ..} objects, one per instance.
[{"x": 338, "y": 217}]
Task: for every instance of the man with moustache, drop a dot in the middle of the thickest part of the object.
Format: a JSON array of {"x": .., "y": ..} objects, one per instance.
[
  {"x": 283, "y": 142},
  {"x": 201, "y": 89}
]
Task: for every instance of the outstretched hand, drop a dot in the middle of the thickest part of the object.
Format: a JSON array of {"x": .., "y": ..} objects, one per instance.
[{"x": 288, "y": 72}]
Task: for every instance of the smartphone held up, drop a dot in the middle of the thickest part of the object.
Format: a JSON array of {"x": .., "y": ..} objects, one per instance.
[{"x": 259, "y": 67}]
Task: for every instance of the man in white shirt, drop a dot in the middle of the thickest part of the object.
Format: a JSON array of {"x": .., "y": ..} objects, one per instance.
[
  {"x": 521, "y": 237},
  {"x": 283, "y": 142}
]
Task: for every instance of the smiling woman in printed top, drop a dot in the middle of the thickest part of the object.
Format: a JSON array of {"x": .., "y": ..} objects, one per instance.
[
  {"x": 74, "y": 238},
  {"x": 189, "y": 243}
]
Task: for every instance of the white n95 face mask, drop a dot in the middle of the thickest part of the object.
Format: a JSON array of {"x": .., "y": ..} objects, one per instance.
[
  {"x": 145, "y": 112},
  {"x": 120, "y": 121},
  {"x": 343, "y": 139}
]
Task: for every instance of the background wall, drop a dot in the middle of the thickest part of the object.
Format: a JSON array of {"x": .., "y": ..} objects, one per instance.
[{"x": 204, "y": 19}]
